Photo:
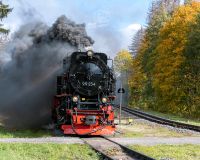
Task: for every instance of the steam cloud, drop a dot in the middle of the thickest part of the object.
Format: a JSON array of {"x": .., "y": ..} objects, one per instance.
[{"x": 29, "y": 65}]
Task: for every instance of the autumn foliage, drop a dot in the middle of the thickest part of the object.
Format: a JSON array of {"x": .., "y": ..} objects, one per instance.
[
  {"x": 122, "y": 61},
  {"x": 166, "y": 69}
]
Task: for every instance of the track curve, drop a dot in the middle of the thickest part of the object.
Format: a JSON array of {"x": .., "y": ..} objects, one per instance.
[{"x": 160, "y": 120}]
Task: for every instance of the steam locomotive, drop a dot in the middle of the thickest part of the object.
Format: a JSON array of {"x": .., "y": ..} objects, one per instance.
[{"x": 85, "y": 95}]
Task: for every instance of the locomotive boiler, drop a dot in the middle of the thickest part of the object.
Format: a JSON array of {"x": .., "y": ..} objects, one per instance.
[{"x": 83, "y": 104}]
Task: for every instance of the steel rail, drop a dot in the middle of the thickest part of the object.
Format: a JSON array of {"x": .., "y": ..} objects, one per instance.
[
  {"x": 131, "y": 154},
  {"x": 160, "y": 120},
  {"x": 103, "y": 155},
  {"x": 134, "y": 154}
]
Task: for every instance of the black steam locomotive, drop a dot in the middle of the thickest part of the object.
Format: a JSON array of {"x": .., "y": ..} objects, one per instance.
[{"x": 85, "y": 94}]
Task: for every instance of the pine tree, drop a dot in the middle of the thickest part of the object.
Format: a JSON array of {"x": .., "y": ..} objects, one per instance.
[
  {"x": 4, "y": 11},
  {"x": 158, "y": 15},
  {"x": 136, "y": 41}
]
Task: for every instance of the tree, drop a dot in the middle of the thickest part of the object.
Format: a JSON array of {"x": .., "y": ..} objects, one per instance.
[
  {"x": 187, "y": 1},
  {"x": 167, "y": 79},
  {"x": 190, "y": 70},
  {"x": 166, "y": 68},
  {"x": 4, "y": 11},
  {"x": 138, "y": 78},
  {"x": 122, "y": 65},
  {"x": 122, "y": 61},
  {"x": 136, "y": 41},
  {"x": 143, "y": 48},
  {"x": 159, "y": 14},
  {"x": 190, "y": 1}
]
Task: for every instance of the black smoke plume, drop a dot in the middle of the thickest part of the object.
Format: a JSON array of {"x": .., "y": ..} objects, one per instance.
[{"x": 29, "y": 66}]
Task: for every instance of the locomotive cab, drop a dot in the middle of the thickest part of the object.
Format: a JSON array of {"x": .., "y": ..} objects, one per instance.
[{"x": 85, "y": 94}]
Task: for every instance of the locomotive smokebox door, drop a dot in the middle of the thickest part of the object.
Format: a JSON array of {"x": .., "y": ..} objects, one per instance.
[{"x": 89, "y": 120}]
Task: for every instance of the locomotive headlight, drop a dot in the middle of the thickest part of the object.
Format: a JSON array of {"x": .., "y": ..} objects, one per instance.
[
  {"x": 104, "y": 100},
  {"x": 75, "y": 99},
  {"x": 90, "y": 53}
]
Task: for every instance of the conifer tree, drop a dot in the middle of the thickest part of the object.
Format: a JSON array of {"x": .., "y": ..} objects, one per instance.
[
  {"x": 159, "y": 13},
  {"x": 4, "y": 11},
  {"x": 136, "y": 42}
]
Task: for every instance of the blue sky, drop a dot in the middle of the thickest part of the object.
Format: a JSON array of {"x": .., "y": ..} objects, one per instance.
[{"x": 111, "y": 23}]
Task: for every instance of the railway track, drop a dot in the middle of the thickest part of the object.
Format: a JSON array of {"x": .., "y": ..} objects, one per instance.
[
  {"x": 160, "y": 120},
  {"x": 111, "y": 150}
]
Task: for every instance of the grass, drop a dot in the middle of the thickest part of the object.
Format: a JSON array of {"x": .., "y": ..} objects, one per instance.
[
  {"x": 18, "y": 151},
  {"x": 145, "y": 130},
  {"x": 175, "y": 117},
  {"x": 8, "y": 133},
  {"x": 172, "y": 152}
]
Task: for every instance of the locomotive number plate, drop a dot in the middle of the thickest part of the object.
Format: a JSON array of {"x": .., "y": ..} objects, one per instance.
[{"x": 88, "y": 84}]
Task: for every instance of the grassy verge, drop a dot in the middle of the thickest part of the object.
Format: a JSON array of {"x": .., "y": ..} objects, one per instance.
[
  {"x": 175, "y": 117},
  {"x": 141, "y": 129},
  {"x": 174, "y": 152},
  {"x": 17, "y": 151},
  {"x": 145, "y": 130},
  {"x": 7, "y": 133}
]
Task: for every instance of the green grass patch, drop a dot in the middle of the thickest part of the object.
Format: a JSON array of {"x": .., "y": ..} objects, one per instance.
[
  {"x": 175, "y": 117},
  {"x": 13, "y": 133},
  {"x": 20, "y": 151},
  {"x": 174, "y": 152}
]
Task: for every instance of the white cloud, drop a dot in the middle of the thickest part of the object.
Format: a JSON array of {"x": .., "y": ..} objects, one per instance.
[
  {"x": 128, "y": 32},
  {"x": 133, "y": 27},
  {"x": 101, "y": 26},
  {"x": 182, "y": 1}
]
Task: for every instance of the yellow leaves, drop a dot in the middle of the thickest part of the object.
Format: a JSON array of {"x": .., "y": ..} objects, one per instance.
[
  {"x": 158, "y": 78},
  {"x": 164, "y": 77},
  {"x": 122, "y": 61},
  {"x": 172, "y": 44},
  {"x": 180, "y": 21}
]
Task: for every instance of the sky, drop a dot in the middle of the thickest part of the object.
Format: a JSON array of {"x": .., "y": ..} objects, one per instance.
[{"x": 111, "y": 23}]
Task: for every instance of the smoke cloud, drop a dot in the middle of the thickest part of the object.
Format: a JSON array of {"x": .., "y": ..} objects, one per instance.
[{"x": 29, "y": 65}]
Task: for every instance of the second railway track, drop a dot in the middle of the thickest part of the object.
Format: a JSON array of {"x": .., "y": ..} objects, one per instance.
[
  {"x": 111, "y": 150},
  {"x": 160, "y": 120}
]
